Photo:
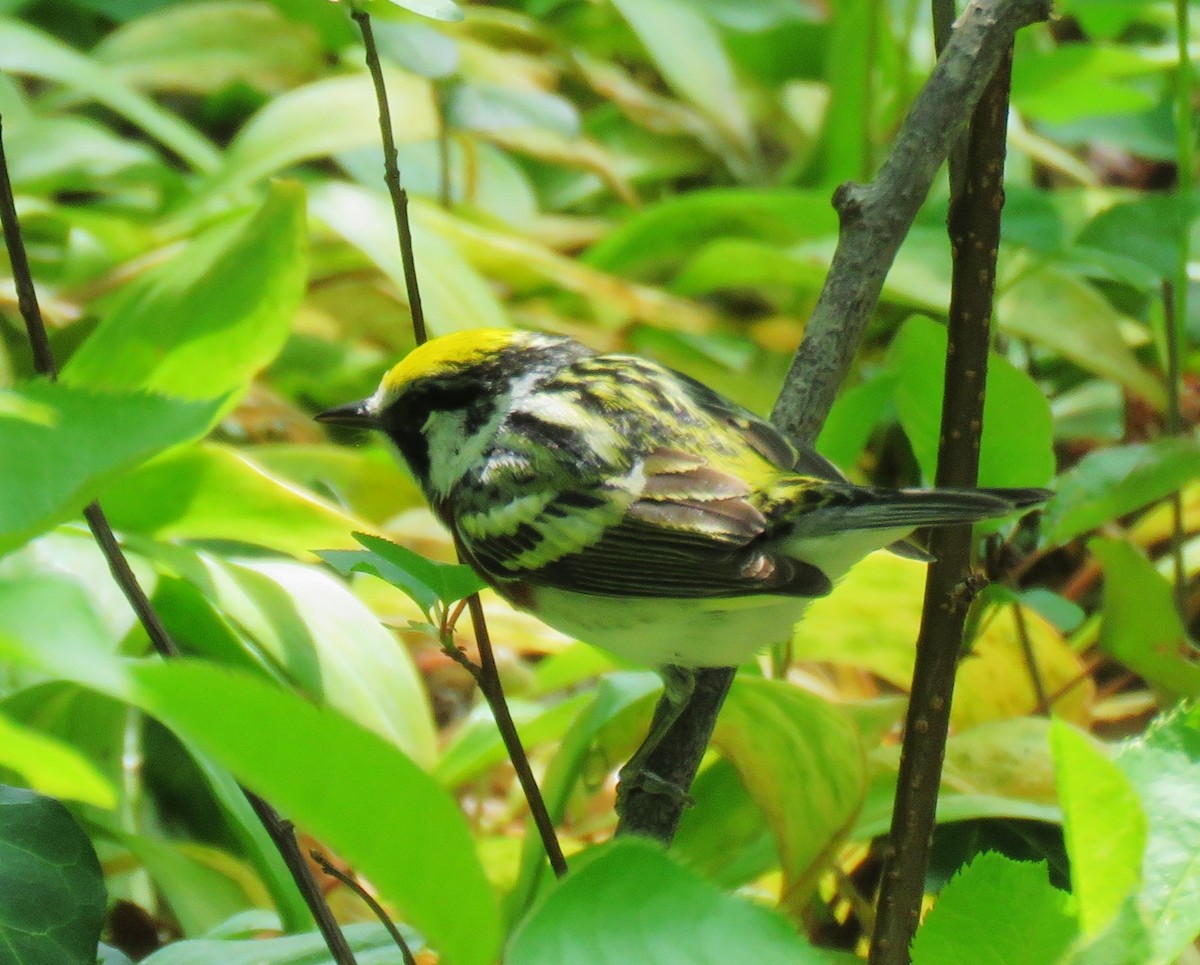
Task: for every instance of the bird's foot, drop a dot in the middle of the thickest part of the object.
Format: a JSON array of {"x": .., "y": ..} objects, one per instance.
[{"x": 650, "y": 783}]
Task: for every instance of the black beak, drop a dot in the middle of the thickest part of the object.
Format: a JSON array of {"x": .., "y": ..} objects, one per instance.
[{"x": 356, "y": 414}]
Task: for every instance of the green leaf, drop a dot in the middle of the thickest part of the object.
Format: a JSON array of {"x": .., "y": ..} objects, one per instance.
[
  {"x": 417, "y": 850},
  {"x": 202, "y": 885},
  {"x": 425, "y": 581},
  {"x": 654, "y": 241},
  {"x": 370, "y": 942},
  {"x": 25, "y": 50},
  {"x": 321, "y": 119},
  {"x": 582, "y": 752},
  {"x": 1058, "y": 311},
  {"x": 1109, "y": 483},
  {"x": 999, "y": 769},
  {"x": 48, "y": 472},
  {"x": 1149, "y": 230},
  {"x": 493, "y": 107},
  {"x": 52, "y": 767},
  {"x": 202, "y": 324},
  {"x": 855, "y": 414},
  {"x": 304, "y": 625},
  {"x": 324, "y": 771},
  {"x": 802, "y": 762},
  {"x": 850, "y": 65},
  {"x": 420, "y": 49},
  {"x": 998, "y": 911},
  {"x": 724, "y": 836},
  {"x": 627, "y": 901},
  {"x": 477, "y": 746},
  {"x": 454, "y": 295},
  {"x": 214, "y": 492},
  {"x": 1164, "y": 768},
  {"x": 1140, "y": 625},
  {"x": 1104, "y": 825},
  {"x": 203, "y": 47},
  {"x": 446, "y": 10},
  {"x": 51, "y": 888},
  {"x": 1017, "y": 448},
  {"x": 687, "y": 50}
]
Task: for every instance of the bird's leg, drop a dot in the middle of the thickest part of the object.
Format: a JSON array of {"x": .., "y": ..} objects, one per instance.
[{"x": 678, "y": 685}]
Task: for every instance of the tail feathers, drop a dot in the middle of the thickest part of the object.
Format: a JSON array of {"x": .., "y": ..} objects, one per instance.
[{"x": 866, "y": 508}]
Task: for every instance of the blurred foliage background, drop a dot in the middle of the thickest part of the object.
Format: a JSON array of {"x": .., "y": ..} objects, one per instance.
[{"x": 200, "y": 190}]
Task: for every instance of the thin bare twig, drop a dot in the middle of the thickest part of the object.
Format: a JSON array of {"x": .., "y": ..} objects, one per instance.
[
  {"x": 487, "y": 676},
  {"x": 391, "y": 176},
  {"x": 1035, "y": 673},
  {"x": 279, "y": 830},
  {"x": 974, "y": 225},
  {"x": 334, "y": 872}
]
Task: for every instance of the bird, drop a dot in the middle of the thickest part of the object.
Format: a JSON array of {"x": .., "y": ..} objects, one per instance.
[{"x": 632, "y": 507}]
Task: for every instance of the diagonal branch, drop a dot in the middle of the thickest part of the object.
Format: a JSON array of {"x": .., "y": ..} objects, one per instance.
[{"x": 874, "y": 220}]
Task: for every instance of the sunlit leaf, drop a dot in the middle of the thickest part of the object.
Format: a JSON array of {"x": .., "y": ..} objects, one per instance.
[
  {"x": 1000, "y": 911},
  {"x": 25, "y": 50},
  {"x": 1057, "y": 311},
  {"x": 1018, "y": 433},
  {"x": 871, "y": 621},
  {"x": 1140, "y": 625},
  {"x": 802, "y": 762},
  {"x": 322, "y": 118},
  {"x": 653, "y": 241},
  {"x": 49, "y": 472},
  {"x": 455, "y": 297},
  {"x": 53, "y": 767},
  {"x": 1104, "y": 824},
  {"x": 370, "y": 942},
  {"x": 213, "y": 492},
  {"x": 203, "y": 47},
  {"x": 1114, "y": 482},
  {"x": 687, "y": 50},
  {"x": 1164, "y": 768},
  {"x": 228, "y": 297},
  {"x": 324, "y": 771},
  {"x": 433, "y": 9},
  {"x": 304, "y": 625},
  {"x": 997, "y": 769},
  {"x": 425, "y": 580}
]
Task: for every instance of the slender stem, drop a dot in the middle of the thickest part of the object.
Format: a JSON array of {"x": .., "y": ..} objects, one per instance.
[
  {"x": 974, "y": 225},
  {"x": 280, "y": 831},
  {"x": 1035, "y": 673},
  {"x": 334, "y": 872},
  {"x": 391, "y": 174},
  {"x": 493, "y": 693},
  {"x": 488, "y": 677}
]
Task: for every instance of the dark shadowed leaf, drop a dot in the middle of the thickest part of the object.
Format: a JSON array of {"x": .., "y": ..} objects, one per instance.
[{"x": 51, "y": 889}]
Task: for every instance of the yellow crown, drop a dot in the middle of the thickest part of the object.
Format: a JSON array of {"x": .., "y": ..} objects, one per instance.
[{"x": 456, "y": 350}]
